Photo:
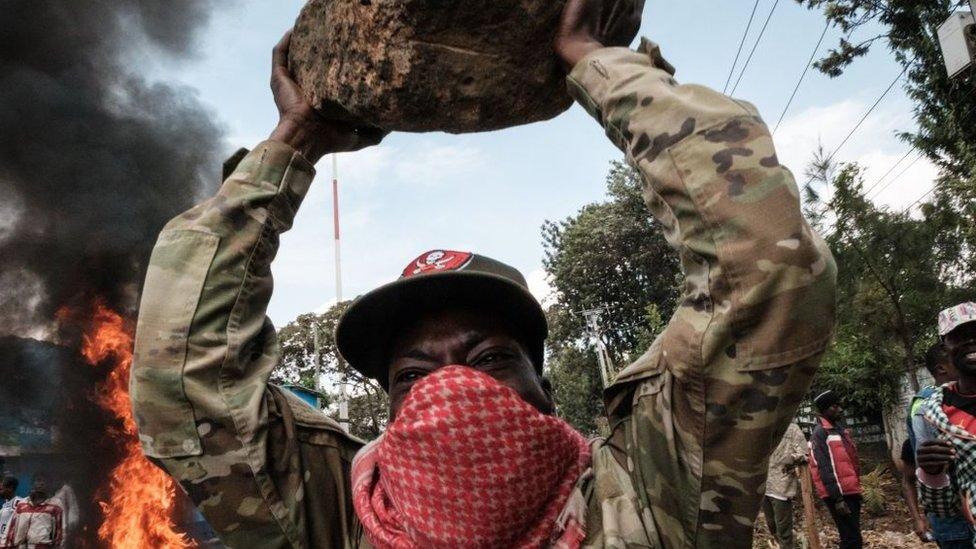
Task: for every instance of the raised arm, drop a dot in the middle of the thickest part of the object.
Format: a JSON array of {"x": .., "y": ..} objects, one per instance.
[
  {"x": 205, "y": 348},
  {"x": 700, "y": 413}
]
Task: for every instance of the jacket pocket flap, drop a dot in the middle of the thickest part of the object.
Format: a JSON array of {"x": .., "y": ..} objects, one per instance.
[{"x": 174, "y": 281}]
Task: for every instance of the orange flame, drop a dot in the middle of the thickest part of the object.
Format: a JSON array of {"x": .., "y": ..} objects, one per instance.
[{"x": 139, "y": 501}]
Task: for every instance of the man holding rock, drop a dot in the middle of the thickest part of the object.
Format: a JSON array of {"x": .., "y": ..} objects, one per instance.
[{"x": 474, "y": 456}]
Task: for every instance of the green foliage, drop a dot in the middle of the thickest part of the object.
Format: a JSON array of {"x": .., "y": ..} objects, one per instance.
[
  {"x": 610, "y": 255},
  {"x": 368, "y": 403},
  {"x": 945, "y": 109},
  {"x": 953, "y": 208},
  {"x": 868, "y": 379},
  {"x": 895, "y": 273},
  {"x": 577, "y": 387},
  {"x": 873, "y": 488}
]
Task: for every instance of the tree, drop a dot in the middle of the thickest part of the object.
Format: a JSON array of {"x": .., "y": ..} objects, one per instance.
[
  {"x": 577, "y": 387},
  {"x": 895, "y": 273},
  {"x": 368, "y": 403},
  {"x": 945, "y": 109},
  {"x": 953, "y": 207},
  {"x": 610, "y": 255}
]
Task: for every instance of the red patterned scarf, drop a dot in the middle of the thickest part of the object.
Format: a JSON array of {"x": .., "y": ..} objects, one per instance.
[{"x": 468, "y": 463}]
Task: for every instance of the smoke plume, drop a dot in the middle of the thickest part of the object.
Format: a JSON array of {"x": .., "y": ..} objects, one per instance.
[{"x": 94, "y": 159}]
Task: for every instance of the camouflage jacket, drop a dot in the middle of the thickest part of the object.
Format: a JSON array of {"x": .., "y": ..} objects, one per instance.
[{"x": 693, "y": 421}]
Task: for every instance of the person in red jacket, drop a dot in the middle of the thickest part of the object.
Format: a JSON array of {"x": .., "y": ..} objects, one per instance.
[
  {"x": 835, "y": 469},
  {"x": 38, "y": 520}
]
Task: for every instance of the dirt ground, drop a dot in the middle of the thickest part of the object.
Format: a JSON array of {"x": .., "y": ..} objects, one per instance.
[{"x": 889, "y": 530}]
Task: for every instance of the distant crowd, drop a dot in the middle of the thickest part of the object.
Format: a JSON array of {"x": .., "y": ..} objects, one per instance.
[
  {"x": 939, "y": 454},
  {"x": 43, "y": 519}
]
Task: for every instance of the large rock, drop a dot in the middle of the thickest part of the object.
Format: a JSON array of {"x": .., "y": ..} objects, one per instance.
[{"x": 431, "y": 65}]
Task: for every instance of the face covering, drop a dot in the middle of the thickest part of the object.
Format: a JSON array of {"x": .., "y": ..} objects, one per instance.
[{"x": 468, "y": 463}]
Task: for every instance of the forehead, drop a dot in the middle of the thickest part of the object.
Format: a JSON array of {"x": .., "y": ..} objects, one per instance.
[
  {"x": 449, "y": 323},
  {"x": 964, "y": 331}
]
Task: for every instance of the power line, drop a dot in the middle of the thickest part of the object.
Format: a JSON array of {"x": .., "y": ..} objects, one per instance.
[
  {"x": 897, "y": 177},
  {"x": 741, "y": 43},
  {"x": 935, "y": 185},
  {"x": 887, "y": 173},
  {"x": 802, "y": 76},
  {"x": 754, "y": 46},
  {"x": 921, "y": 198},
  {"x": 867, "y": 114}
]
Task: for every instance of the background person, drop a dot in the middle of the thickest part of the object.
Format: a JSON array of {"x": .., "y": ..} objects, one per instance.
[
  {"x": 949, "y": 532},
  {"x": 946, "y": 429},
  {"x": 835, "y": 469},
  {"x": 8, "y": 493},
  {"x": 38, "y": 520},
  {"x": 782, "y": 485}
]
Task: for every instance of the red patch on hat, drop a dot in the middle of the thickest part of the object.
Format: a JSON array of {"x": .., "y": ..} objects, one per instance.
[{"x": 437, "y": 261}]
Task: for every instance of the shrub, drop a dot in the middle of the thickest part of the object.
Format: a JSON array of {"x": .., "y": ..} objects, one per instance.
[{"x": 873, "y": 490}]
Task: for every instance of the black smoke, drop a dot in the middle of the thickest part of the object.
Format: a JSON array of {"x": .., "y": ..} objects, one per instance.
[{"x": 94, "y": 159}]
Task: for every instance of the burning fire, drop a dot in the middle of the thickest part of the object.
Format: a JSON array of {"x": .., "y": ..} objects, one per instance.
[{"x": 139, "y": 501}]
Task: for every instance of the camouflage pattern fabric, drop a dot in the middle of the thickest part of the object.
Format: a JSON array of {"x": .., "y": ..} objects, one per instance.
[
  {"x": 263, "y": 467},
  {"x": 693, "y": 420}
]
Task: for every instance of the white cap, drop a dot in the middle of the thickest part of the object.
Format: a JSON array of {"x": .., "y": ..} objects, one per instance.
[{"x": 954, "y": 317}]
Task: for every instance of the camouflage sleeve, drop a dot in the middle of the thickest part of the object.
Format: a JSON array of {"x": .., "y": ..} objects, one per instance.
[
  {"x": 205, "y": 349},
  {"x": 702, "y": 410}
]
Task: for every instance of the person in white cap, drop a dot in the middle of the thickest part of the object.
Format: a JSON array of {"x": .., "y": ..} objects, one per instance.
[{"x": 946, "y": 428}]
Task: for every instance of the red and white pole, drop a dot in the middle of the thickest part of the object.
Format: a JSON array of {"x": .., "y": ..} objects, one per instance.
[
  {"x": 343, "y": 387},
  {"x": 336, "y": 232}
]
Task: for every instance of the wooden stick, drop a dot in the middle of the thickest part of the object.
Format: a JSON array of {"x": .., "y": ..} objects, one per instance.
[{"x": 809, "y": 511}]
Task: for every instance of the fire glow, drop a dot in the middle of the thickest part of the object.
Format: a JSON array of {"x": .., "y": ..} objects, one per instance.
[{"x": 138, "y": 503}]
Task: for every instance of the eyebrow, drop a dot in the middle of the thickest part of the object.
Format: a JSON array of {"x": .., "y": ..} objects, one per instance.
[
  {"x": 470, "y": 340},
  {"x": 415, "y": 354}
]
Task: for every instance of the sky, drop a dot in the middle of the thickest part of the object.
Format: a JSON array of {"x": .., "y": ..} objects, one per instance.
[{"x": 491, "y": 192}]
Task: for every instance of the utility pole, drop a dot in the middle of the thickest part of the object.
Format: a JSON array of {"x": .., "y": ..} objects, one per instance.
[
  {"x": 592, "y": 318},
  {"x": 957, "y": 38},
  {"x": 344, "y": 384},
  {"x": 317, "y": 358}
]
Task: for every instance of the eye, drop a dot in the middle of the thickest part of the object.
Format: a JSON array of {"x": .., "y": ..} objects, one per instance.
[
  {"x": 494, "y": 357},
  {"x": 409, "y": 376}
]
